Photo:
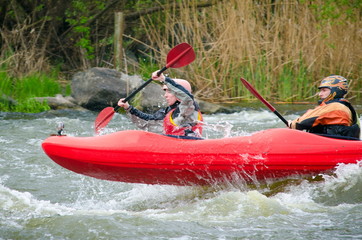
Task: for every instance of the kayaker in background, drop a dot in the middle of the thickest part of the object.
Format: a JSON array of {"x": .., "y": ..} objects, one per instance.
[
  {"x": 182, "y": 117},
  {"x": 334, "y": 115}
]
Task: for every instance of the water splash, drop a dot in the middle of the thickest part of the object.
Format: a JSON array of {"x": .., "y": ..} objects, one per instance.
[
  {"x": 344, "y": 186},
  {"x": 17, "y": 205}
]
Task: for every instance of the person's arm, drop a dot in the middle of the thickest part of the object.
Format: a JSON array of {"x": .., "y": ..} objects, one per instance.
[
  {"x": 330, "y": 114},
  {"x": 159, "y": 115},
  {"x": 147, "y": 122}
]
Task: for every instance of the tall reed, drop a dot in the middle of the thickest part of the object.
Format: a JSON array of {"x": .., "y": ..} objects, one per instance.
[
  {"x": 283, "y": 47},
  {"x": 21, "y": 50}
]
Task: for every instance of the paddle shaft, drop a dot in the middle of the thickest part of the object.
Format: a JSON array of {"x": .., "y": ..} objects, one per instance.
[
  {"x": 281, "y": 118},
  {"x": 140, "y": 88},
  {"x": 266, "y": 103}
]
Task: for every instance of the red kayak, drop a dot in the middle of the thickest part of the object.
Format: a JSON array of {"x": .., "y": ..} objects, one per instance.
[{"x": 143, "y": 157}]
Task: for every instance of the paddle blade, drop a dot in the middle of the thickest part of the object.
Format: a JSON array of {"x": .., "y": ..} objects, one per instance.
[
  {"x": 256, "y": 94},
  {"x": 179, "y": 56},
  {"x": 266, "y": 103},
  {"x": 103, "y": 118}
]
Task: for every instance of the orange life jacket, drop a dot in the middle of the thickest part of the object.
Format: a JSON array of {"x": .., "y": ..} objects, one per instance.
[{"x": 171, "y": 128}]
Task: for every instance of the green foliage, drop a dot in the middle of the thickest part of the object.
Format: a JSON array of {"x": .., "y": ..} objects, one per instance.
[
  {"x": 68, "y": 90},
  {"x": 147, "y": 67},
  {"x": 17, "y": 94},
  {"x": 37, "y": 85},
  {"x": 336, "y": 11},
  {"x": 31, "y": 106},
  {"x": 78, "y": 17},
  {"x": 294, "y": 83}
]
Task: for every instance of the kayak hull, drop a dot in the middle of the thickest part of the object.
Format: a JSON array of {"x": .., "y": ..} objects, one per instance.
[{"x": 143, "y": 157}]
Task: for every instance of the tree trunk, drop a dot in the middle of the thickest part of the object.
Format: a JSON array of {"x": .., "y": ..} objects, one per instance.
[{"x": 118, "y": 33}]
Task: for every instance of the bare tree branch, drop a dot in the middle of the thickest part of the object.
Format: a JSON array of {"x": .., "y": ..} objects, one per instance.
[{"x": 136, "y": 15}]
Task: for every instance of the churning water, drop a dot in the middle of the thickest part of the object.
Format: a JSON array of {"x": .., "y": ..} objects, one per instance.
[{"x": 41, "y": 200}]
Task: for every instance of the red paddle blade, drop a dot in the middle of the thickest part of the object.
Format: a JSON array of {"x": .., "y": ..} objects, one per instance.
[
  {"x": 256, "y": 94},
  {"x": 179, "y": 56},
  {"x": 103, "y": 118}
]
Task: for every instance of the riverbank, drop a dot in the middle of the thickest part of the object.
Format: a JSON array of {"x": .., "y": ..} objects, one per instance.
[{"x": 42, "y": 92}]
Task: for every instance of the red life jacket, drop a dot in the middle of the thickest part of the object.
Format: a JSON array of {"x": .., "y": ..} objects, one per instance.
[{"x": 171, "y": 128}]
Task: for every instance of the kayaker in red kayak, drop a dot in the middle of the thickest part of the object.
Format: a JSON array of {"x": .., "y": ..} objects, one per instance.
[
  {"x": 334, "y": 115},
  {"x": 182, "y": 117}
]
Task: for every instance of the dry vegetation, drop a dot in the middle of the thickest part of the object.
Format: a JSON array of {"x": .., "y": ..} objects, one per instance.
[
  {"x": 22, "y": 52},
  {"x": 282, "y": 47}
]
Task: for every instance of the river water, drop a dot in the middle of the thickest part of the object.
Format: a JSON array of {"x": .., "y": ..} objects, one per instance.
[{"x": 41, "y": 200}]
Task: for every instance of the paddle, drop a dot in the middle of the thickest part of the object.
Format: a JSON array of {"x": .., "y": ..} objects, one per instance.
[
  {"x": 179, "y": 56},
  {"x": 256, "y": 94}
]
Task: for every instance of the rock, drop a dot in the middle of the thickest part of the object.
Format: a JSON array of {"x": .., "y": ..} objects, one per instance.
[
  {"x": 7, "y": 100},
  {"x": 152, "y": 98},
  {"x": 98, "y": 88},
  {"x": 210, "y": 108},
  {"x": 59, "y": 102},
  {"x": 149, "y": 98}
]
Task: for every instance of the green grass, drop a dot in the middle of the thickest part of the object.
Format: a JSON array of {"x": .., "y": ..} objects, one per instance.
[
  {"x": 146, "y": 67},
  {"x": 17, "y": 94},
  {"x": 292, "y": 84}
]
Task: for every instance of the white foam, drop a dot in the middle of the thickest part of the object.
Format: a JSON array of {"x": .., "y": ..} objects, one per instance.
[{"x": 16, "y": 201}]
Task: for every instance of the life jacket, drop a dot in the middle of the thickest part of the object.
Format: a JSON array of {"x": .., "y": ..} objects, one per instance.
[
  {"x": 349, "y": 131},
  {"x": 355, "y": 129},
  {"x": 171, "y": 128}
]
